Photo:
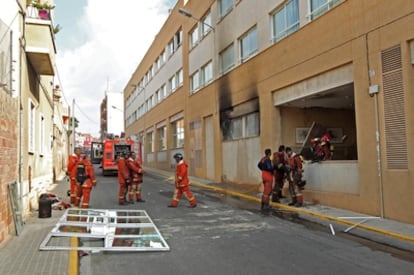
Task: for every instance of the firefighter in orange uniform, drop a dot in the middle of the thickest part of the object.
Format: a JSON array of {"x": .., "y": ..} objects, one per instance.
[
  {"x": 279, "y": 163},
  {"x": 266, "y": 166},
  {"x": 294, "y": 176},
  {"x": 326, "y": 146},
  {"x": 84, "y": 176},
  {"x": 73, "y": 160},
  {"x": 123, "y": 177},
  {"x": 182, "y": 183},
  {"x": 136, "y": 175}
]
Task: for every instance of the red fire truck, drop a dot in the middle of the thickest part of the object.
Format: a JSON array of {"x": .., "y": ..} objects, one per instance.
[{"x": 111, "y": 150}]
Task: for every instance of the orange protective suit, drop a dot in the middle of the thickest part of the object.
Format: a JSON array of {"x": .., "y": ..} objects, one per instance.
[
  {"x": 182, "y": 185},
  {"x": 136, "y": 175},
  {"x": 123, "y": 179},
  {"x": 295, "y": 163},
  {"x": 72, "y": 161},
  {"x": 83, "y": 186}
]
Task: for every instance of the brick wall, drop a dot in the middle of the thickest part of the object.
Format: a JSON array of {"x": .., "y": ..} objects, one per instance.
[{"x": 8, "y": 160}]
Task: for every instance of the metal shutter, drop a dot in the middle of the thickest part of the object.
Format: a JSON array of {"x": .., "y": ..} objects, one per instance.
[{"x": 394, "y": 109}]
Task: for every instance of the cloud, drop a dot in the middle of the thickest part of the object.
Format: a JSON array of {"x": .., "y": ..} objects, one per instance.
[{"x": 115, "y": 40}]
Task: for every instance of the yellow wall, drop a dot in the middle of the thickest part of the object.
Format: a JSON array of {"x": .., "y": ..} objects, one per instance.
[{"x": 354, "y": 33}]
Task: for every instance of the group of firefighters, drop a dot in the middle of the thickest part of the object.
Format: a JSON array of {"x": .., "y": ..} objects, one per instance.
[
  {"x": 283, "y": 165},
  {"x": 130, "y": 176}
]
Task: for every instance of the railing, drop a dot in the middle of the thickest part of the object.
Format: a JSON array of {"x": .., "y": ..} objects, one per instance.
[{"x": 34, "y": 13}]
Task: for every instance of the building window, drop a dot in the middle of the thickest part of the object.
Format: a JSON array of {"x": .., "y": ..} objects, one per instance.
[
  {"x": 170, "y": 47},
  {"x": 195, "y": 82},
  {"x": 252, "y": 125},
  {"x": 206, "y": 22},
  {"x": 150, "y": 139},
  {"x": 319, "y": 7},
  {"x": 194, "y": 37},
  {"x": 42, "y": 135},
  {"x": 163, "y": 91},
  {"x": 227, "y": 59},
  {"x": 285, "y": 20},
  {"x": 207, "y": 73},
  {"x": 163, "y": 58},
  {"x": 225, "y": 7},
  {"x": 241, "y": 127},
  {"x": 159, "y": 96},
  {"x": 180, "y": 77},
  {"x": 178, "y": 38},
  {"x": 31, "y": 128},
  {"x": 162, "y": 139},
  {"x": 173, "y": 83},
  {"x": 178, "y": 133},
  {"x": 248, "y": 44}
]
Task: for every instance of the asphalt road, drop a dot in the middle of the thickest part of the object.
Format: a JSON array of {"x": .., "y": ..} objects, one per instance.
[{"x": 227, "y": 235}]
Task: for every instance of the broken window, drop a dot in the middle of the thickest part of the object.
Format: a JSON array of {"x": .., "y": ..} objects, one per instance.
[{"x": 105, "y": 230}]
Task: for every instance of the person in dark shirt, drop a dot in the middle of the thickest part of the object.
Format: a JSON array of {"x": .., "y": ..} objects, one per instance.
[{"x": 266, "y": 166}]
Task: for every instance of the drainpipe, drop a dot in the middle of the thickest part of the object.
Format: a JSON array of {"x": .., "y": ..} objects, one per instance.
[
  {"x": 20, "y": 143},
  {"x": 373, "y": 92}
]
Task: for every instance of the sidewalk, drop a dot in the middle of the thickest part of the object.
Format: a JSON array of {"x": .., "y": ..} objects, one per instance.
[{"x": 20, "y": 254}]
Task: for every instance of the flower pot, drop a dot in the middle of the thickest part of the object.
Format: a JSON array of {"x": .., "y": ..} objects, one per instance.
[{"x": 44, "y": 14}]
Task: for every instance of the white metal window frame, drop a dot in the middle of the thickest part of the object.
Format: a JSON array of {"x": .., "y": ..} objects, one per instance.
[
  {"x": 284, "y": 14},
  {"x": 105, "y": 230},
  {"x": 194, "y": 37},
  {"x": 227, "y": 59},
  {"x": 248, "y": 44},
  {"x": 319, "y": 7},
  {"x": 225, "y": 6},
  {"x": 162, "y": 138},
  {"x": 178, "y": 133},
  {"x": 195, "y": 82},
  {"x": 244, "y": 126}
]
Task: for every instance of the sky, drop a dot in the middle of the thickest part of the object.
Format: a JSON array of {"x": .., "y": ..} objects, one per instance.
[{"x": 99, "y": 47}]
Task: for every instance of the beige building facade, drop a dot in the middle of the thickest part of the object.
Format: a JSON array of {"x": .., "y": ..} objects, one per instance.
[
  {"x": 33, "y": 120},
  {"x": 225, "y": 79}
]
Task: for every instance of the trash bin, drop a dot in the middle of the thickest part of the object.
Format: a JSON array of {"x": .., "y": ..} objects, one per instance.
[{"x": 45, "y": 206}]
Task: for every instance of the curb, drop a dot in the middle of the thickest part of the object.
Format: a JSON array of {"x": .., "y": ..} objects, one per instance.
[{"x": 299, "y": 210}]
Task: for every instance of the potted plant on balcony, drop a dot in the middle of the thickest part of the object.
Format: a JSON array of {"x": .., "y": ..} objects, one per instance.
[{"x": 43, "y": 8}]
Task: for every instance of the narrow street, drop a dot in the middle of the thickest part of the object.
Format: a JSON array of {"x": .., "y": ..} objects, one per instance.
[{"x": 227, "y": 235}]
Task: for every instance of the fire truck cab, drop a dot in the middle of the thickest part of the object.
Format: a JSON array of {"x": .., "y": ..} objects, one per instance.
[{"x": 112, "y": 148}]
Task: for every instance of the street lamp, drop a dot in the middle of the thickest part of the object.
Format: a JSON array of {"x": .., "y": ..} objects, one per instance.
[
  {"x": 188, "y": 14},
  {"x": 116, "y": 108}
]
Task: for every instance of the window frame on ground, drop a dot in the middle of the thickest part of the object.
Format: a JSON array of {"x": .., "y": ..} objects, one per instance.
[{"x": 105, "y": 230}]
